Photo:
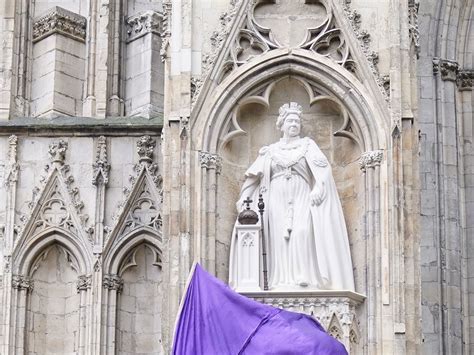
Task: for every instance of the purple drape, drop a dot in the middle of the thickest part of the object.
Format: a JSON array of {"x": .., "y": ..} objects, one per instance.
[{"x": 216, "y": 320}]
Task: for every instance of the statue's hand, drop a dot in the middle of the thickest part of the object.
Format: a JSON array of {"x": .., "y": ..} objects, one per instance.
[{"x": 318, "y": 194}]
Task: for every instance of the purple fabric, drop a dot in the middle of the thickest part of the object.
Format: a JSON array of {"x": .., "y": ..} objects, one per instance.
[{"x": 216, "y": 320}]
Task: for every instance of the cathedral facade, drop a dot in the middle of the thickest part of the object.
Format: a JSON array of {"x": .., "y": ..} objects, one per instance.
[{"x": 126, "y": 128}]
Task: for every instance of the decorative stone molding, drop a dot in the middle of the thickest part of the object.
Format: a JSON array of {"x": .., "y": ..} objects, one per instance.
[
  {"x": 413, "y": 29},
  {"x": 57, "y": 151},
  {"x": 354, "y": 18},
  {"x": 370, "y": 159},
  {"x": 60, "y": 21},
  {"x": 7, "y": 264},
  {"x": 210, "y": 161},
  {"x": 145, "y": 148},
  {"x": 219, "y": 36},
  {"x": 113, "y": 282},
  {"x": 101, "y": 166},
  {"x": 448, "y": 68},
  {"x": 11, "y": 175},
  {"x": 143, "y": 23},
  {"x": 21, "y": 282},
  {"x": 84, "y": 282},
  {"x": 335, "y": 310},
  {"x": 166, "y": 29},
  {"x": 465, "y": 79}
]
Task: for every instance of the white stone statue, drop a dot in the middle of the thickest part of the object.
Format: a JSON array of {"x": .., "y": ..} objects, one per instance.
[{"x": 306, "y": 236}]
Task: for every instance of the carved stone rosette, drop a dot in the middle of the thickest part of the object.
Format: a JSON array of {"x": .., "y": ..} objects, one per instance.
[
  {"x": 370, "y": 159},
  {"x": 113, "y": 282},
  {"x": 210, "y": 161},
  {"x": 60, "y": 21},
  {"x": 84, "y": 282},
  {"x": 144, "y": 23},
  {"x": 22, "y": 283}
]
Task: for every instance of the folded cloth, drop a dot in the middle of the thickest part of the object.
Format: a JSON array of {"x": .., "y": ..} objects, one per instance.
[{"x": 215, "y": 320}]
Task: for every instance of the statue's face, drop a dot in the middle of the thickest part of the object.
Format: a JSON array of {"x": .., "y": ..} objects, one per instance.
[{"x": 291, "y": 126}]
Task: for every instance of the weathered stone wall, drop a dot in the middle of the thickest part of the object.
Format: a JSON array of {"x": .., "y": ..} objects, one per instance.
[{"x": 402, "y": 157}]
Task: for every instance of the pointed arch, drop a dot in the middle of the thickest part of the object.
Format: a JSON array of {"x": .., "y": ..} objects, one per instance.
[
  {"x": 115, "y": 254},
  {"x": 25, "y": 256},
  {"x": 367, "y": 112}
]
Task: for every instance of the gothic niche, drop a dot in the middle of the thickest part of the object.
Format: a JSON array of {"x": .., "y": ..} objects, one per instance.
[
  {"x": 53, "y": 306},
  {"x": 139, "y": 303},
  {"x": 252, "y": 124}
]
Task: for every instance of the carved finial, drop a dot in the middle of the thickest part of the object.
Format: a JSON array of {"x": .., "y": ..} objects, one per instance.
[
  {"x": 101, "y": 166},
  {"x": 57, "y": 151},
  {"x": 145, "y": 147}
]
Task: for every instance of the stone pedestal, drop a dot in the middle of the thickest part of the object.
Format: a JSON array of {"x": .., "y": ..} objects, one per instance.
[
  {"x": 248, "y": 258},
  {"x": 337, "y": 311}
]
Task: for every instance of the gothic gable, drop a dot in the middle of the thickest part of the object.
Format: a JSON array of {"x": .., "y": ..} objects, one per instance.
[
  {"x": 253, "y": 28},
  {"x": 55, "y": 205}
]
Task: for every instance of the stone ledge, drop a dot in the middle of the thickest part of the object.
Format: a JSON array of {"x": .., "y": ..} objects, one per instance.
[
  {"x": 81, "y": 125},
  {"x": 357, "y": 298}
]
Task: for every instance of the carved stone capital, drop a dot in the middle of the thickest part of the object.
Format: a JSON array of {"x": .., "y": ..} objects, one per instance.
[
  {"x": 60, "y": 21},
  {"x": 113, "y": 282},
  {"x": 143, "y": 23},
  {"x": 84, "y": 282},
  {"x": 57, "y": 151},
  {"x": 101, "y": 165},
  {"x": 465, "y": 79},
  {"x": 145, "y": 148},
  {"x": 448, "y": 68},
  {"x": 370, "y": 159},
  {"x": 21, "y": 282},
  {"x": 210, "y": 161}
]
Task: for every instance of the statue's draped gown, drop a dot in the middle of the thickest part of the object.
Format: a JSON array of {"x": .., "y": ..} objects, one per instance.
[{"x": 307, "y": 244}]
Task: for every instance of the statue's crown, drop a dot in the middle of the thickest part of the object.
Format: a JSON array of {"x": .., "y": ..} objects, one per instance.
[{"x": 292, "y": 107}]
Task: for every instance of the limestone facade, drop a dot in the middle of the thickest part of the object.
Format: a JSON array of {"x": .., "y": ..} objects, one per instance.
[{"x": 126, "y": 128}]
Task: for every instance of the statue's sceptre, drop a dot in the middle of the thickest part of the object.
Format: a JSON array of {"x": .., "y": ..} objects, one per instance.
[{"x": 261, "y": 208}]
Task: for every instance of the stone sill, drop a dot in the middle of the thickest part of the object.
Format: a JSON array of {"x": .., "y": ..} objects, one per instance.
[
  {"x": 81, "y": 125},
  {"x": 353, "y": 296}
]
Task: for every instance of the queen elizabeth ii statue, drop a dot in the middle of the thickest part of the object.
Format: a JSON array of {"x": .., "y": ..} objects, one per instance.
[{"x": 306, "y": 235}]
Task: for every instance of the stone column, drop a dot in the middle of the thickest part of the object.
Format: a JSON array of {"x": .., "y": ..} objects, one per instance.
[
  {"x": 84, "y": 284},
  {"x": 21, "y": 286},
  {"x": 370, "y": 163},
  {"x": 113, "y": 285},
  {"x": 210, "y": 169}
]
